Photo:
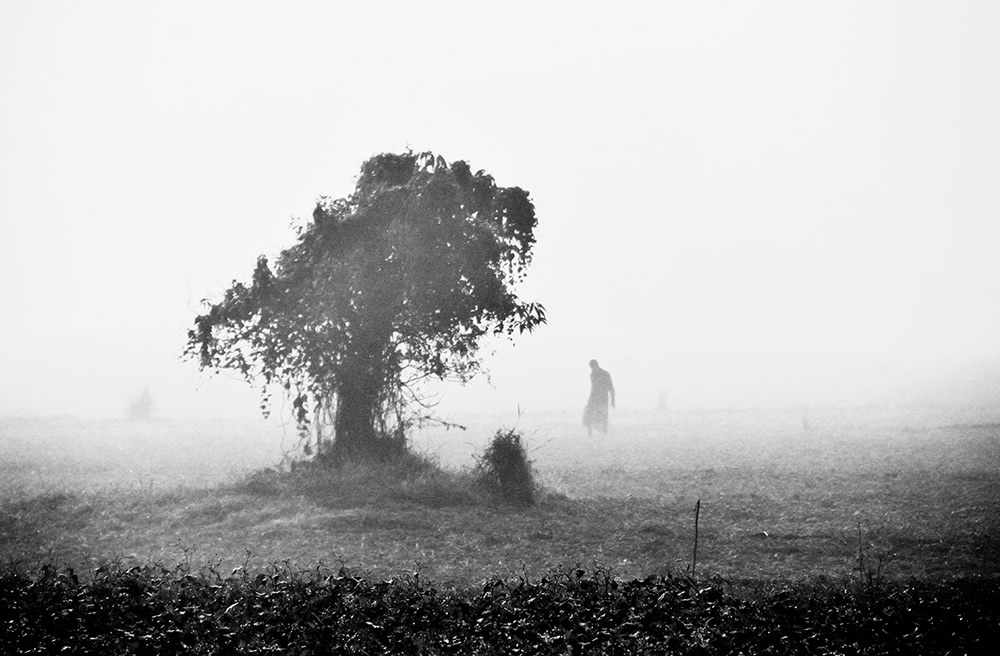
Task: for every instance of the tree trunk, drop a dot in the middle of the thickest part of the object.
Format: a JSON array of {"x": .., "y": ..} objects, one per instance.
[
  {"x": 355, "y": 436},
  {"x": 356, "y": 423}
]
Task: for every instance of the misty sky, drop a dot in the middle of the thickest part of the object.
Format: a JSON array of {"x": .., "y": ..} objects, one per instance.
[{"x": 736, "y": 201}]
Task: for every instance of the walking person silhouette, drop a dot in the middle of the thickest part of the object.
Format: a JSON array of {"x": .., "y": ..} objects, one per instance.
[{"x": 595, "y": 415}]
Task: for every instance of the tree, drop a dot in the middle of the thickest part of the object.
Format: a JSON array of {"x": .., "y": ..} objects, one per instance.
[{"x": 392, "y": 285}]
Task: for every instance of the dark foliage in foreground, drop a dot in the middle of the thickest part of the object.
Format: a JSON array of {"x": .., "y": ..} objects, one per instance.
[{"x": 154, "y": 610}]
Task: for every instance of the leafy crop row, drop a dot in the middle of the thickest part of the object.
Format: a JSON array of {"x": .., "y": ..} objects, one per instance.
[{"x": 151, "y": 609}]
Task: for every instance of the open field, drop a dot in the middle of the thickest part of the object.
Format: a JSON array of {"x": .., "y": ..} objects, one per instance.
[{"x": 782, "y": 495}]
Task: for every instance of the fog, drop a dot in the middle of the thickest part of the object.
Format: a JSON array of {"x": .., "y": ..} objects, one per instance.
[{"x": 777, "y": 205}]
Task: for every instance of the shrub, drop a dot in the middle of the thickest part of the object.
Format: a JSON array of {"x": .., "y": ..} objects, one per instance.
[{"x": 504, "y": 470}]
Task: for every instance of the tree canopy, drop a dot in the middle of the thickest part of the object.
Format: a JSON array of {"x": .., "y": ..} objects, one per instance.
[{"x": 396, "y": 283}]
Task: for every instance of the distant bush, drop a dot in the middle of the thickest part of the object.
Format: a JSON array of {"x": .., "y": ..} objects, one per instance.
[
  {"x": 504, "y": 470},
  {"x": 141, "y": 407}
]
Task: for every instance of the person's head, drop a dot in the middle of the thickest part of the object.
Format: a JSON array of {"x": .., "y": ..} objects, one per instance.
[{"x": 594, "y": 365}]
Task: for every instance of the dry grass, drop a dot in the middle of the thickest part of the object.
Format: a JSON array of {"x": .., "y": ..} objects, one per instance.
[{"x": 778, "y": 500}]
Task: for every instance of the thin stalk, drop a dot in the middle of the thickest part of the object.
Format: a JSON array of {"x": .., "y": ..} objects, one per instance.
[{"x": 694, "y": 556}]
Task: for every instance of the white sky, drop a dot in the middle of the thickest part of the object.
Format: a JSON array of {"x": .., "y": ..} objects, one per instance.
[{"x": 736, "y": 200}]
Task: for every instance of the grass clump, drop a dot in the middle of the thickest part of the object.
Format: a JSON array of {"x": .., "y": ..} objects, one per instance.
[
  {"x": 410, "y": 478},
  {"x": 502, "y": 474},
  {"x": 504, "y": 471}
]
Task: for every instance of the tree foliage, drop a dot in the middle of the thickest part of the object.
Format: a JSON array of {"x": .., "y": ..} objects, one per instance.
[{"x": 393, "y": 284}]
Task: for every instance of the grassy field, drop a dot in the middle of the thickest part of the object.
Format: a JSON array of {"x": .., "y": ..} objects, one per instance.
[{"x": 783, "y": 495}]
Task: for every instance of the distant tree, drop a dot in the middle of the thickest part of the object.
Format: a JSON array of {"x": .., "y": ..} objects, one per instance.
[
  {"x": 394, "y": 284},
  {"x": 141, "y": 407}
]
